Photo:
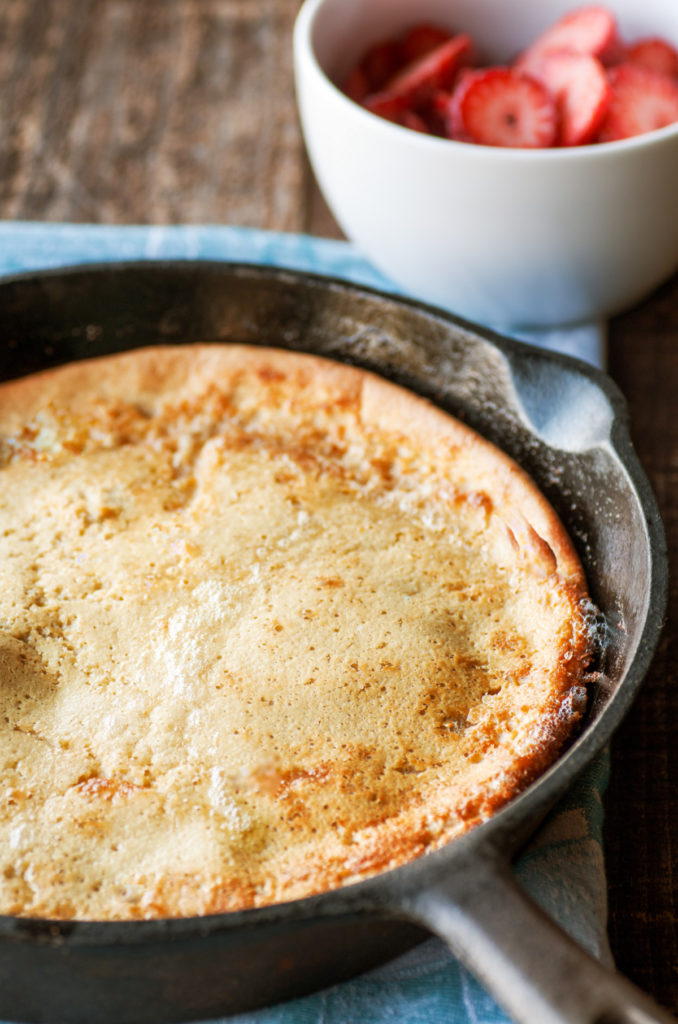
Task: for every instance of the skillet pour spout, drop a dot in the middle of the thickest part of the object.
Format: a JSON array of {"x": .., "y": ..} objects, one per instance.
[{"x": 566, "y": 424}]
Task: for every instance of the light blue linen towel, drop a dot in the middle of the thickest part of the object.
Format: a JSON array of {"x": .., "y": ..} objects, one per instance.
[{"x": 563, "y": 867}]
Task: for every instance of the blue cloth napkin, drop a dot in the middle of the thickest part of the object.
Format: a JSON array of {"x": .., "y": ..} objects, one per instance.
[{"x": 563, "y": 868}]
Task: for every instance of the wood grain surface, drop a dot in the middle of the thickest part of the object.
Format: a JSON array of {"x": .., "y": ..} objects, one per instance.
[
  {"x": 641, "y": 834},
  {"x": 168, "y": 111}
]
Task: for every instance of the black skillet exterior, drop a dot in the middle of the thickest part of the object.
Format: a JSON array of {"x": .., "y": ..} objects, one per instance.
[{"x": 565, "y": 423}]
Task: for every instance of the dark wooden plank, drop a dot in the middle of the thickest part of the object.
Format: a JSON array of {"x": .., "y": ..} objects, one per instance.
[
  {"x": 641, "y": 833},
  {"x": 120, "y": 111}
]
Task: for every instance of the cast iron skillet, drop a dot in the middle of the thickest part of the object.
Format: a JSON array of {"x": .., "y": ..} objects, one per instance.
[{"x": 567, "y": 425}]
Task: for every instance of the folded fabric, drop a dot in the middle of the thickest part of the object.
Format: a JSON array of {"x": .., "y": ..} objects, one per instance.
[
  {"x": 31, "y": 245},
  {"x": 563, "y": 867}
]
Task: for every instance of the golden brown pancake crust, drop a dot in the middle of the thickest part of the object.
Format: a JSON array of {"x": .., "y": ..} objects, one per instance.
[{"x": 268, "y": 624}]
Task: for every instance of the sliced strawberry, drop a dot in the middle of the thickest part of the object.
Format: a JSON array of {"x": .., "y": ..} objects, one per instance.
[
  {"x": 380, "y": 63},
  {"x": 386, "y": 105},
  {"x": 655, "y": 54},
  {"x": 591, "y": 30},
  {"x": 436, "y": 111},
  {"x": 579, "y": 85},
  {"x": 451, "y": 111},
  {"x": 411, "y": 119},
  {"x": 640, "y": 102},
  {"x": 498, "y": 107},
  {"x": 396, "y": 109},
  {"x": 436, "y": 70},
  {"x": 440, "y": 101},
  {"x": 421, "y": 39},
  {"x": 356, "y": 86}
]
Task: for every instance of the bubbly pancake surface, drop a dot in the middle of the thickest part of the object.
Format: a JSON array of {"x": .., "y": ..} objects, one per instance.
[{"x": 268, "y": 624}]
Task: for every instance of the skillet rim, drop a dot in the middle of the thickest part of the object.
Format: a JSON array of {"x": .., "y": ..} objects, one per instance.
[{"x": 374, "y": 893}]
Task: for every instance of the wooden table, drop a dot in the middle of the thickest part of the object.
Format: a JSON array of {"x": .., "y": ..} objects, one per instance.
[{"x": 170, "y": 111}]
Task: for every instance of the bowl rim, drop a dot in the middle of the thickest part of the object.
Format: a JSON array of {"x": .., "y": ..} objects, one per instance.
[{"x": 304, "y": 50}]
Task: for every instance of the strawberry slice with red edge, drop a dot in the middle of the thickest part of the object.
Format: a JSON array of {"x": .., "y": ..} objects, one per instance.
[
  {"x": 380, "y": 63},
  {"x": 436, "y": 111},
  {"x": 383, "y": 104},
  {"x": 655, "y": 54},
  {"x": 356, "y": 86},
  {"x": 422, "y": 39},
  {"x": 592, "y": 30},
  {"x": 499, "y": 107},
  {"x": 436, "y": 70},
  {"x": 640, "y": 101},
  {"x": 580, "y": 88},
  {"x": 397, "y": 110},
  {"x": 411, "y": 119}
]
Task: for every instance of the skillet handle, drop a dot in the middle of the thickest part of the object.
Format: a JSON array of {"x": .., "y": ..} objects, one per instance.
[{"x": 531, "y": 967}]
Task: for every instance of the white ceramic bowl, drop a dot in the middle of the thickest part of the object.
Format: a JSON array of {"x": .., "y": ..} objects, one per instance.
[{"x": 507, "y": 237}]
